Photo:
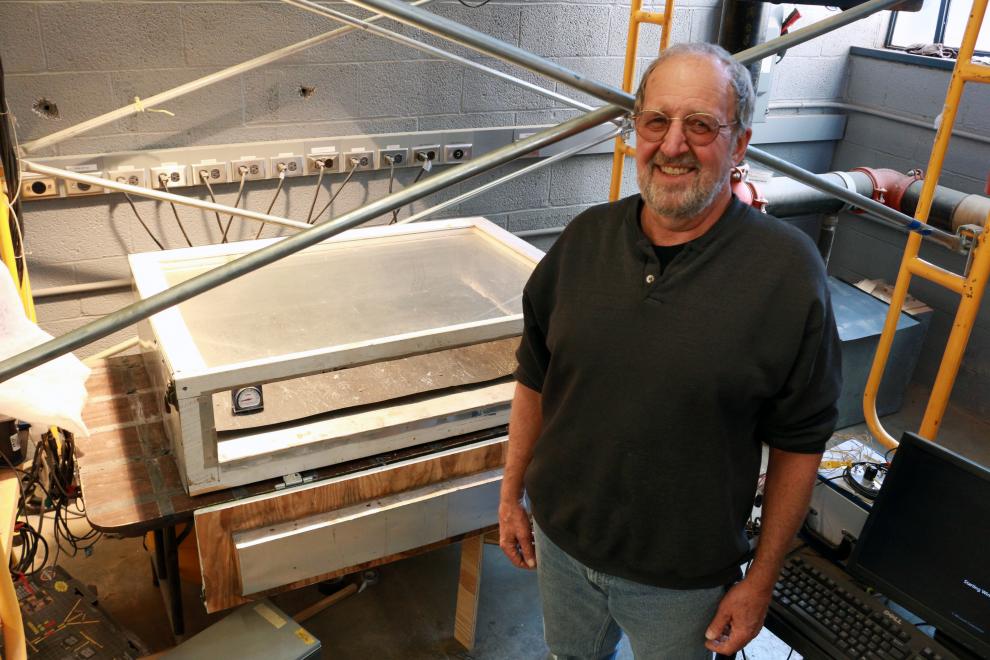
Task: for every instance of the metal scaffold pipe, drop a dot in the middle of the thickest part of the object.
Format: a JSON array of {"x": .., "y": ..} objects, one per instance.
[
  {"x": 252, "y": 261},
  {"x": 191, "y": 86}
]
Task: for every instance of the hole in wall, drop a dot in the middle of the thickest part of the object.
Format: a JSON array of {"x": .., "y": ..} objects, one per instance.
[
  {"x": 46, "y": 108},
  {"x": 306, "y": 91}
]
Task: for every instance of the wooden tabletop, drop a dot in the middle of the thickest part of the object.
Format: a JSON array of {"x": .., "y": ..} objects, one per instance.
[{"x": 130, "y": 482}]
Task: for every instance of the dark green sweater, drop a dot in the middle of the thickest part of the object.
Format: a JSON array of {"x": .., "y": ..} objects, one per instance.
[{"x": 657, "y": 390}]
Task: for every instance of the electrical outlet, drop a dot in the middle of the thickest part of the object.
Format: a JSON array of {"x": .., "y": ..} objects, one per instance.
[
  {"x": 425, "y": 152},
  {"x": 457, "y": 153},
  {"x": 251, "y": 167},
  {"x": 77, "y": 188},
  {"x": 215, "y": 172},
  {"x": 38, "y": 187},
  {"x": 176, "y": 175},
  {"x": 359, "y": 159},
  {"x": 399, "y": 156},
  {"x": 129, "y": 176},
  {"x": 293, "y": 165},
  {"x": 331, "y": 162}
]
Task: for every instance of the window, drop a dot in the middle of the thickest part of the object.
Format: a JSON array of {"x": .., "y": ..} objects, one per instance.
[{"x": 939, "y": 22}]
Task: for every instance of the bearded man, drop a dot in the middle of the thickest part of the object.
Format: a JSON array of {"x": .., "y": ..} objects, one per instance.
[{"x": 667, "y": 337}]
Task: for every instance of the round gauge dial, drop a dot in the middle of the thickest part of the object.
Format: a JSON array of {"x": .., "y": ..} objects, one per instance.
[{"x": 248, "y": 399}]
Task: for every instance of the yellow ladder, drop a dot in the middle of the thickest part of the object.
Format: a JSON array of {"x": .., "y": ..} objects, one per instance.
[
  {"x": 636, "y": 17},
  {"x": 969, "y": 285}
]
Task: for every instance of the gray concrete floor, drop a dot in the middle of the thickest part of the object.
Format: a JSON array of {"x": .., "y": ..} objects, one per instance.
[{"x": 409, "y": 613}]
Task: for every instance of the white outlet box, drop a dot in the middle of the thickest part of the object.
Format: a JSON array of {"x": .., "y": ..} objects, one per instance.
[
  {"x": 332, "y": 161},
  {"x": 359, "y": 159},
  {"x": 38, "y": 187},
  {"x": 215, "y": 172},
  {"x": 175, "y": 175},
  {"x": 426, "y": 152},
  {"x": 77, "y": 188},
  {"x": 130, "y": 176},
  {"x": 399, "y": 156},
  {"x": 250, "y": 168},
  {"x": 294, "y": 165},
  {"x": 457, "y": 153}
]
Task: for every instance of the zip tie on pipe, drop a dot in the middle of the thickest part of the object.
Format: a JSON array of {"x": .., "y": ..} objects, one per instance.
[{"x": 139, "y": 107}]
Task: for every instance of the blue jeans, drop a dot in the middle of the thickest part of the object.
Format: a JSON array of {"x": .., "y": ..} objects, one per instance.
[{"x": 585, "y": 612}]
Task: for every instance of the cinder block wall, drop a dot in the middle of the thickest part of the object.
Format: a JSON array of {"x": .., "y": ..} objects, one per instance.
[
  {"x": 92, "y": 57},
  {"x": 866, "y": 249}
]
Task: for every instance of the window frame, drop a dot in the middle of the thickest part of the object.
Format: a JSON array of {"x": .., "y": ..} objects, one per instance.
[{"x": 941, "y": 23}]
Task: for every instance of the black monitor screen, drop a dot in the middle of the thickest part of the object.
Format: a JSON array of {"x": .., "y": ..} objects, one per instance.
[{"x": 926, "y": 543}]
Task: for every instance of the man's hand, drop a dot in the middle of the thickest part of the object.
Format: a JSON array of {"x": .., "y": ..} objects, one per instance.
[
  {"x": 515, "y": 534},
  {"x": 739, "y": 617}
]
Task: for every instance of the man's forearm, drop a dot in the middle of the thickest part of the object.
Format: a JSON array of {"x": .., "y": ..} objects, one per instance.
[
  {"x": 790, "y": 479},
  {"x": 525, "y": 422}
]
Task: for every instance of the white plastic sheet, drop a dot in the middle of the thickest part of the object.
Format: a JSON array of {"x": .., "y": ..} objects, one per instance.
[{"x": 52, "y": 394}]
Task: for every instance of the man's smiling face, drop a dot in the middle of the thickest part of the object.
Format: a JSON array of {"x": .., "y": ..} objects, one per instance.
[{"x": 679, "y": 181}]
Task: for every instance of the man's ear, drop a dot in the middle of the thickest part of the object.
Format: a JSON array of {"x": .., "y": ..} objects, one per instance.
[{"x": 739, "y": 149}]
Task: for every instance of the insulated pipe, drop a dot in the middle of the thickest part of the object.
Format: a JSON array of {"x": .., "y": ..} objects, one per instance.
[
  {"x": 86, "y": 287},
  {"x": 191, "y": 86},
  {"x": 252, "y": 261},
  {"x": 743, "y": 25},
  {"x": 433, "y": 50},
  {"x": 950, "y": 241}
]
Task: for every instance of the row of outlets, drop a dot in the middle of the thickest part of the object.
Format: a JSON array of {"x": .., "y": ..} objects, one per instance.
[{"x": 176, "y": 175}]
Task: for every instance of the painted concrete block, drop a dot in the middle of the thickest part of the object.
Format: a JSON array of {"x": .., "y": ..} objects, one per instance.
[
  {"x": 20, "y": 38},
  {"x": 466, "y": 120},
  {"x": 891, "y": 137},
  {"x": 70, "y": 230},
  {"x": 606, "y": 70},
  {"x": 565, "y": 30},
  {"x": 342, "y": 127},
  {"x": 849, "y": 155},
  {"x": 543, "y": 117},
  {"x": 107, "y": 36},
  {"x": 704, "y": 24},
  {"x": 107, "y": 303},
  {"x": 56, "y": 309},
  {"x": 904, "y": 88},
  {"x": 95, "y": 270},
  {"x": 213, "y": 108},
  {"x": 973, "y": 115},
  {"x": 342, "y": 91},
  {"x": 483, "y": 92},
  {"x": 809, "y": 78},
  {"x": 526, "y": 192},
  {"x": 649, "y": 35},
  {"x": 61, "y": 327},
  {"x": 501, "y": 21},
  {"x": 79, "y": 96},
  {"x": 552, "y": 216},
  {"x": 580, "y": 180}
]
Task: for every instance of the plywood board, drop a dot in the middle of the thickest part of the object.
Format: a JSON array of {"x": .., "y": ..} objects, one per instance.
[{"x": 318, "y": 394}]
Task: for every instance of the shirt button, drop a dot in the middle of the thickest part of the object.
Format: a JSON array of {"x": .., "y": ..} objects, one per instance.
[{"x": 650, "y": 278}]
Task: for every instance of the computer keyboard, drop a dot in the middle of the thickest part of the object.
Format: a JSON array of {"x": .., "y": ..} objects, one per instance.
[{"x": 821, "y": 603}]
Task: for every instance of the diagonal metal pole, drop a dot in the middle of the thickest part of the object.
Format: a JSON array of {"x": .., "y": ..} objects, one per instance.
[
  {"x": 330, "y": 12},
  {"x": 252, "y": 261},
  {"x": 191, "y": 86}
]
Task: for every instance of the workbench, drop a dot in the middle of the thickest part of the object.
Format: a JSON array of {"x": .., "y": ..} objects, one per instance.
[{"x": 131, "y": 486}]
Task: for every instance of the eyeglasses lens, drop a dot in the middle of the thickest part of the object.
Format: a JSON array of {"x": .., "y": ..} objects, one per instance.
[{"x": 700, "y": 128}]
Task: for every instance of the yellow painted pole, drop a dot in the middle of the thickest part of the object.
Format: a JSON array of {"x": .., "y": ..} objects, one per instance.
[
  {"x": 629, "y": 70},
  {"x": 21, "y": 283},
  {"x": 962, "y": 326},
  {"x": 957, "y": 338}
]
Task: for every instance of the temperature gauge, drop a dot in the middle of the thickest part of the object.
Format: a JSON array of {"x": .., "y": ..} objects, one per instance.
[{"x": 247, "y": 400}]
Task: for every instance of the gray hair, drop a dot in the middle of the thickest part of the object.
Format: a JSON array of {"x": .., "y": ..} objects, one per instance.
[{"x": 739, "y": 77}]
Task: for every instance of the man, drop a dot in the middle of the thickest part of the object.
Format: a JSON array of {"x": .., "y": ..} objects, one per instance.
[{"x": 666, "y": 337}]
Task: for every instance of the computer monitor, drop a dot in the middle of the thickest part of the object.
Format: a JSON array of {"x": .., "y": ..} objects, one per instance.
[{"x": 926, "y": 542}]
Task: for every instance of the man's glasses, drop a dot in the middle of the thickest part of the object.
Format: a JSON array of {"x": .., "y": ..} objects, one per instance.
[{"x": 700, "y": 128}]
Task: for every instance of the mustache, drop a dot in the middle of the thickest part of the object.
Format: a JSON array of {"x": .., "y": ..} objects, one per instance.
[{"x": 675, "y": 162}]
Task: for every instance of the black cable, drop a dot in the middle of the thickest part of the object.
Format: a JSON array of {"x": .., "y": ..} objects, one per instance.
[
  {"x": 205, "y": 176},
  {"x": 316, "y": 192},
  {"x": 237, "y": 202},
  {"x": 9, "y": 158},
  {"x": 475, "y": 6},
  {"x": 163, "y": 178},
  {"x": 789, "y": 655},
  {"x": 395, "y": 213},
  {"x": 141, "y": 220},
  {"x": 281, "y": 182},
  {"x": 334, "y": 196}
]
